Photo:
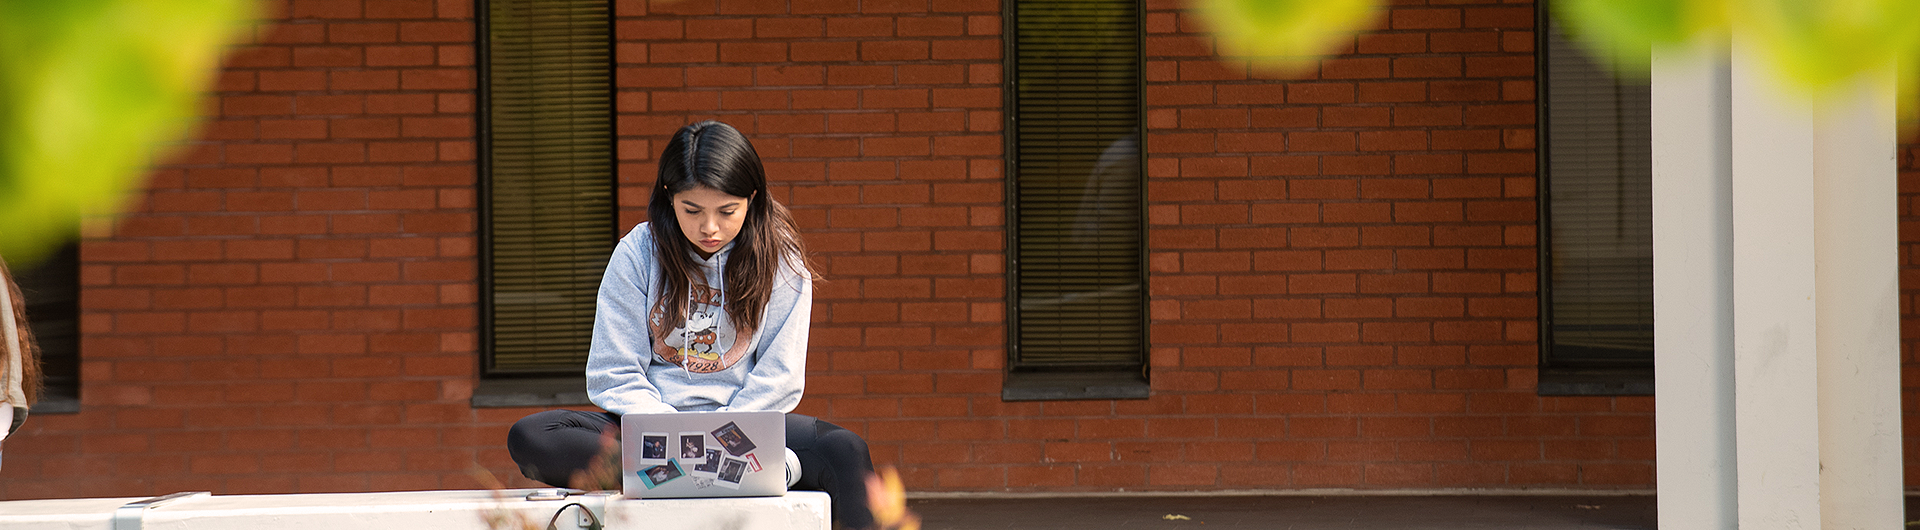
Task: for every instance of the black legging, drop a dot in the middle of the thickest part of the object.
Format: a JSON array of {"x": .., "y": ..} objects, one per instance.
[{"x": 550, "y": 446}]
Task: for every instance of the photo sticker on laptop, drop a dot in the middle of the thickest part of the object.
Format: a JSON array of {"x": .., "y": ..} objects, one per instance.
[
  {"x": 661, "y": 474},
  {"x": 709, "y": 467},
  {"x": 653, "y": 448},
  {"x": 693, "y": 446},
  {"x": 734, "y": 439},
  {"x": 731, "y": 471}
]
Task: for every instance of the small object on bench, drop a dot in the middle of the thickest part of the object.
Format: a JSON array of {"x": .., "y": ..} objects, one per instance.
[
  {"x": 550, "y": 494},
  {"x": 130, "y": 516}
]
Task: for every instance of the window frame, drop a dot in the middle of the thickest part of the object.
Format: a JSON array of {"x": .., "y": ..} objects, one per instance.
[
  {"x": 1024, "y": 383},
  {"x": 1556, "y": 376},
  {"x": 560, "y": 386}
]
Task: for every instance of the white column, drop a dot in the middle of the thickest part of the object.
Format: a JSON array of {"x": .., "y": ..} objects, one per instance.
[
  {"x": 1776, "y": 384},
  {"x": 1693, "y": 289},
  {"x": 1775, "y": 300},
  {"x": 1857, "y": 281}
]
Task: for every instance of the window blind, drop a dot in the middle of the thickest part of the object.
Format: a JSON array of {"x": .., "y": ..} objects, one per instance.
[
  {"x": 1075, "y": 190},
  {"x": 548, "y": 192},
  {"x": 1597, "y": 181}
]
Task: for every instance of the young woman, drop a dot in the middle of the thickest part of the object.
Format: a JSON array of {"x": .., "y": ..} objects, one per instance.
[
  {"x": 19, "y": 357},
  {"x": 704, "y": 307}
]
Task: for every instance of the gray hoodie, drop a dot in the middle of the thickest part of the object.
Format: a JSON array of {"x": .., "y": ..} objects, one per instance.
[{"x": 633, "y": 366}]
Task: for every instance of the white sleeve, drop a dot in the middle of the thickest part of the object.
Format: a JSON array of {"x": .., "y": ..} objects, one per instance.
[
  {"x": 622, "y": 347},
  {"x": 779, "y": 375}
]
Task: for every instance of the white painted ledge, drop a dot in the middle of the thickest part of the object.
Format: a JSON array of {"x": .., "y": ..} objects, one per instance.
[{"x": 451, "y": 510}]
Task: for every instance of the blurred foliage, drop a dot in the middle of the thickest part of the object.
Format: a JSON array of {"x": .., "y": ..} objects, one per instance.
[
  {"x": 887, "y": 499},
  {"x": 603, "y": 472},
  {"x": 1811, "y": 46},
  {"x": 1807, "y": 45},
  {"x": 88, "y": 90},
  {"x": 1286, "y": 35}
]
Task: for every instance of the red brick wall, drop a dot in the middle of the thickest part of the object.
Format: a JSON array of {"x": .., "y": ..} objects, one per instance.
[
  {"x": 1343, "y": 272},
  {"x": 1344, "y": 287},
  {"x": 880, "y": 125},
  {"x": 291, "y": 307},
  {"x": 1343, "y": 266}
]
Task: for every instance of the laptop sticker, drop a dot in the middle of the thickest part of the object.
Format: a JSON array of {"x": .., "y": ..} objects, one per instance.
[
  {"x": 653, "y": 448},
  {"x": 734, "y": 439},
  {"x": 693, "y": 446},
  {"x": 708, "y": 467},
  {"x": 731, "y": 471},
  {"x": 661, "y": 474}
]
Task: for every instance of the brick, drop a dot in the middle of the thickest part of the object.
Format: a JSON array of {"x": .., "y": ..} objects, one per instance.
[
  {"x": 362, "y": 32},
  {"x": 1355, "y": 68},
  {"x": 1392, "y": 141},
  {"x": 1425, "y": 18},
  {"x": 1508, "y": 18},
  {"x": 339, "y": 9},
  {"x": 1365, "y": 451},
  {"x": 1252, "y": 94},
  {"x": 437, "y": 31},
  {"x": 1499, "y": 115},
  {"x": 1392, "y": 92},
  {"x": 893, "y": 50},
  {"x": 1468, "y": 140},
  {"x": 1326, "y": 474},
  {"x": 1616, "y": 426},
  {"x": 294, "y": 34},
  {"x": 256, "y": 105},
  {"x": 1392, "y": 43},
  {"x": 1213, "y": 118},
  {"x": 1320, "y": 141},
  {"x": 96, "y": 250},
  {"x": 1320, "y": 93}
]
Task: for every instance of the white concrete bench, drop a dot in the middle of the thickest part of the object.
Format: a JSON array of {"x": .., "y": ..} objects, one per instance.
[{"x": 452, "y": 510}]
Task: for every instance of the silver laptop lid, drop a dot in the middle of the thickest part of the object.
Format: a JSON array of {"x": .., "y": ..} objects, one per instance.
[{"x": 703, "y": 454}]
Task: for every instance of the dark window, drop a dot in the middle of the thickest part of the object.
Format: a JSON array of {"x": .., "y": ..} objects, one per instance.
[
  {"x": 1596, "y": 223},
  {"x": 51, "y": 288},
  {"x": 547, "y": 182},
  {"x": 1077, "y": 315}
]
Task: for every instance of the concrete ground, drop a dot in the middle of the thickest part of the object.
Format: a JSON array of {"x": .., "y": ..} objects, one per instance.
[
  {"x": 1301, "y": 512},
  {"x": 1545, "y": 512}
]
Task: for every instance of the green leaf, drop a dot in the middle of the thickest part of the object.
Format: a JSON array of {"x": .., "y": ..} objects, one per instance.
[
  {"x": 1624, "y": 32},
  {"x": 88, "y": 90},
  {"x": 1807, "y": 46},
  {"x": 1818, "y": 46},
  {"x": 1285, "y": 35}
]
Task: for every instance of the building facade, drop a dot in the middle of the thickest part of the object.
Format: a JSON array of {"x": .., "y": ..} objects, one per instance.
[{"x": 1343, "y": 282}]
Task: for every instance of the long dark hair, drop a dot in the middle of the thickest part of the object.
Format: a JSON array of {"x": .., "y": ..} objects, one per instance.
[{"x": 714, "y": 155}]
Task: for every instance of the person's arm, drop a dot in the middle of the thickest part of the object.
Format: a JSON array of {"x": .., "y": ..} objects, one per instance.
[
  {"x": 622, "y": 348},
  {"x": 779, "y": 375},
  {"x": 17, "y": 355}
]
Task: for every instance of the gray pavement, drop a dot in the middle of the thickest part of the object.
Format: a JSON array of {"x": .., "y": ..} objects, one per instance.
[{"x": 1460, "y": 512}]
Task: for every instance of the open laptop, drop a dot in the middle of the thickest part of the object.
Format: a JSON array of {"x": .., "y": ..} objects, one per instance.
[{"x": 703, "y": 454}]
